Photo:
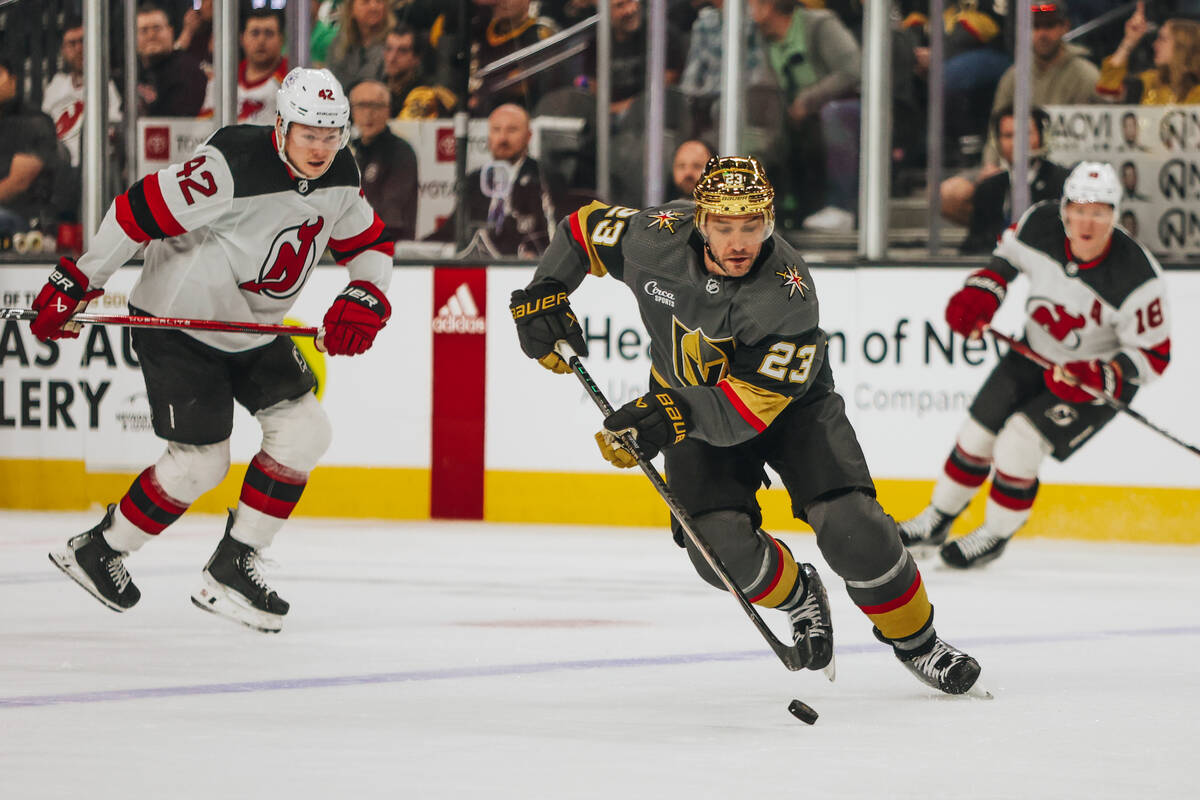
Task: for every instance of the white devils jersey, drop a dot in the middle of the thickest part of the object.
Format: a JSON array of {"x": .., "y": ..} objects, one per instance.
[
  {"x": 1112, "y": 309},
  {"x": 233, "y": 235},
  {"x": 255, "y": 101},
  {"x": 63, "y": 103}
]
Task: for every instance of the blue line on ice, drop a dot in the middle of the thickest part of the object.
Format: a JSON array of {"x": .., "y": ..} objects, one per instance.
[{"x": 501, "y": 670}]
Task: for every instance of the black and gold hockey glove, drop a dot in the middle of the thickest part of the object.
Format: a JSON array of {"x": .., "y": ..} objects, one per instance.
[
  {"x": 543, "y": 315},
  {"x": 657, "y": 419}
]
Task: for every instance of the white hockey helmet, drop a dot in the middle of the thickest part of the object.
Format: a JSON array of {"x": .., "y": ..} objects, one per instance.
[
  {"x": 311, "y": 97},
  {"x": 1093, "y": 182}
]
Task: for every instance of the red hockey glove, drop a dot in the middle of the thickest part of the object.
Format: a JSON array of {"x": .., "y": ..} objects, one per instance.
[
  {"x": 357, "y": 314},
  {"x": 657, "y": 419},
  {"x": 1066, "y": 381},
  {"x": 64, "y": 294},
  {"x": 973, "y": 306},
  {"x": 543, "y": 315}
]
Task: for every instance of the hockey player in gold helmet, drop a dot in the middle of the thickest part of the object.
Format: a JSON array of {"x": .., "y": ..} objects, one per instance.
[{"x": 740, "y": 381}]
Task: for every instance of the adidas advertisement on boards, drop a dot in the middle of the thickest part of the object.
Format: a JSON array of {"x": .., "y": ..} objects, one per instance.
[
  {"x": 85, "y": 399},
  {"x": 907, "y": 381}
]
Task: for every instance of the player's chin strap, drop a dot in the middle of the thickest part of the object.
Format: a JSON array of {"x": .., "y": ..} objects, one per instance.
[
  {"x": 1104, "y": 397},
  {"x": 794, "y": 657}
]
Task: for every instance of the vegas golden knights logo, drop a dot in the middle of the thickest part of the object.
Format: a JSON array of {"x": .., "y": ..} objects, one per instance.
[{"x": 699, "y": 360}]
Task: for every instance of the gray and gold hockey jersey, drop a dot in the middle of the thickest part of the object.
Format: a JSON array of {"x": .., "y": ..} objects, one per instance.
[{"x": 741, "y": 349}]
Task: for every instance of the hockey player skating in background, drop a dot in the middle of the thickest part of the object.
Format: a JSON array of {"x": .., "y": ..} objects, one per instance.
[
  {"x": 1097, "y": 306},
  {"x": 231, "y": 234},
  {"x": 741, "y": 380}
]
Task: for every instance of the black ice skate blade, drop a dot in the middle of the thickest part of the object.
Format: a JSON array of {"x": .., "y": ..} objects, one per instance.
[
  {"x": 66, "y": 562},
  {"x": 250, "y": 625}
]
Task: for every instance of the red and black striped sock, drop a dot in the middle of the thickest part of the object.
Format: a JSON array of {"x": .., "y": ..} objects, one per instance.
[
  {"x": 272, "y": 488},
  {"x": 148, "y": 507}
]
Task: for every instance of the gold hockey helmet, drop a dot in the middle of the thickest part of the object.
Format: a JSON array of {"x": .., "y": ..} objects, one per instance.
[{"x": 735, "y": 186}]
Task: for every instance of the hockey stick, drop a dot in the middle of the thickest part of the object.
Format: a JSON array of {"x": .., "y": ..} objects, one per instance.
[
  {"x": 794, "y": 657},
  {"x": 1103, "y": 396},
  {"x": 168, "y": 322}
]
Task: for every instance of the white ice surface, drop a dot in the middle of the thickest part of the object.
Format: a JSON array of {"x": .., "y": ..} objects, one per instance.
[{"x": 442, "y": 660}]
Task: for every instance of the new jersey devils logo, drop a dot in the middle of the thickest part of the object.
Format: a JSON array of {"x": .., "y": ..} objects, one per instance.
[
  {"x": 1057, "y": 321},
  {"x": 68, "y": 118},
  {"x": 289, "y": 261}
]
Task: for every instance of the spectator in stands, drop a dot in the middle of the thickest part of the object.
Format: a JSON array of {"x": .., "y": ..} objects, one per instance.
[
  {"x": 991, "y": 209},
  {"x": 701, "y": 80},
  {"x": 1175, "y": 77},
  {"x": 1129, "y": 222},
  {"x": 261, "y": 72},
  {"x": 170, "y": 83},
  {"x": 387, "y": 162},
  {"x": 815, "y": 60},
  {"x": 63, "y": 98},
  {"x": 28, "y": 157},
  {"x": 688, "y": 166},
  {"x": 629, "y": 57},
  {"x": 412, "y": 94},
  {"x": 1062, "y": 75},
  {"x": 512, "y": 26},
  {"x": 568, "y": 12},
  {"x": 356, "y": 54},
  {"x": 974, "y": 61},
  {"x": 325, "y": 16},
  {"x": 195, "y": 34},
  {"x": 511, "y": 202}
]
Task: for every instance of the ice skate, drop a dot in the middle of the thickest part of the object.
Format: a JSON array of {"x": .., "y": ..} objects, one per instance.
[
  {"x": 90, "y": 562},
  {"x": 926, "y": 531},
  {"x": 812, "y": 616},
  {"x": 973, "y": 550},
  {"x": 234, "y": 589},
  {"x": 943, "y": 667}
]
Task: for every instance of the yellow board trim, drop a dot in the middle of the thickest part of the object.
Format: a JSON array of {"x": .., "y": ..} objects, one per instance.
[
  {"x": 1093, "y": 513},
  {"x": 344, "y": 492}
]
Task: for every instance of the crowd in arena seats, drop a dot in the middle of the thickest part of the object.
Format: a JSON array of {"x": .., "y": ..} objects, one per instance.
[{"x": 800, "y": 86}]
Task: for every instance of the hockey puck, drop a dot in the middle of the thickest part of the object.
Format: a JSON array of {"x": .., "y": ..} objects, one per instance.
[{"x": 803, "y": 712}]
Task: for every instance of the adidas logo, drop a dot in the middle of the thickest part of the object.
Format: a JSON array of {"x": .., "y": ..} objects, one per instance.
[{"x": 459, "y": 314}]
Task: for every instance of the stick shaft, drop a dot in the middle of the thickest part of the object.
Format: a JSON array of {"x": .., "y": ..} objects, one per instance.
[
  {"x": 130, "y": 321},
  {"x": 1105, "y": 397},
  {"x": 791, "y": 655}
]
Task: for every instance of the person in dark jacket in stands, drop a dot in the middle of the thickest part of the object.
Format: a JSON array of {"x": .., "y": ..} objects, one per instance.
[
  {"x": 170, "y": 83},
  {"x": 992, "y": 203},
  {"x": 387, "y": 162},
  {"x": 28, "y": 158}
]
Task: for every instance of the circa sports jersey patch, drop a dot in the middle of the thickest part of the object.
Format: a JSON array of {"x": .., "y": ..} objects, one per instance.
[
  {"x": 699, "y": 360},
  {"x": 665, "y": 219},
  {"x": 793, "y": 281},
  {"x": 660, "y": 295},
  {"x": 289, "y": 261}
]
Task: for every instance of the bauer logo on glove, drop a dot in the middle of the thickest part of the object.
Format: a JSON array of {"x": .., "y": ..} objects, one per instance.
[
  {"x": 544, "y": 317},
  {"x": 656, "y": 420}
]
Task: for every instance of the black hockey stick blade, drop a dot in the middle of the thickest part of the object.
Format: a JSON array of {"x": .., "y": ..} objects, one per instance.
[
  {"x": 1104, "y": 397},
  {"x": 794, "y": 657}
]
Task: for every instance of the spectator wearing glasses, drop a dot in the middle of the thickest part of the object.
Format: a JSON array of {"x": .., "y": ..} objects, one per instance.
[
  {"x": 170, "y": 83},
  {"x": 388, "y": 163}
]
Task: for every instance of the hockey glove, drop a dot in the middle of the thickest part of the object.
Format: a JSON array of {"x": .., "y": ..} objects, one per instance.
[
  {"x": 973, "y": 306},
  {"x": 1066, "y": 381},
  {"x": 64, "y": 294},
  {"x": 657, "y": 419},
  {"x": 543, "y": 315},
  {"x": 357, "y": 314}
]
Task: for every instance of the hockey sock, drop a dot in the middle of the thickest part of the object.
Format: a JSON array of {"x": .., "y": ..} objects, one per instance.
[
  {"x": 1009, "y": 503},
  {"x": 779, "y": 580},
  {"x": 961, "y": 477},
  {"x": 144, "y": 512},
  {"x": 269, "y": 494},
  {"x": 895, "y": 602}
]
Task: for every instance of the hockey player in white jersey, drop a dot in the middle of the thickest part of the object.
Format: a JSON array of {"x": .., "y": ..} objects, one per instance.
[
  {"x": 1097, "y": 306},
  {"x": 233, "y": 233}
]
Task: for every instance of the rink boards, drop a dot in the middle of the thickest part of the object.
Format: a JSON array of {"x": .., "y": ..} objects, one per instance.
[{"x": 445, "y": 418}]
